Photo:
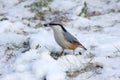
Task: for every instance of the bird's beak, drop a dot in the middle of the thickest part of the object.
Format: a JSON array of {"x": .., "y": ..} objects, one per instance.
[{"x": 46, "y": 25}]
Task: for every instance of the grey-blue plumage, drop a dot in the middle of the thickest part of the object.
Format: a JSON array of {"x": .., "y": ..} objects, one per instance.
[
  {"x": 64, "y": 38},
  {"x": 69, "y": 37}
]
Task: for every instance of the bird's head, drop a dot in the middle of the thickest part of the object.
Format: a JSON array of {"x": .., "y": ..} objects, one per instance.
[{"x": 55, "y": 26}]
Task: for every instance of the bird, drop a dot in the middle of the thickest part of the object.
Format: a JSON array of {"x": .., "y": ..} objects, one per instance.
[{"x": 64, "y": 38}]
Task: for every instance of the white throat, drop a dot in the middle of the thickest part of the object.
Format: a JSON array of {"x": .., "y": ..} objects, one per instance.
[{"x": 57, "y": 28}]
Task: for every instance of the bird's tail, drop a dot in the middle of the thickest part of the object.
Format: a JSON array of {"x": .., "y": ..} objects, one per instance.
[{"x": 81, "y": 46}]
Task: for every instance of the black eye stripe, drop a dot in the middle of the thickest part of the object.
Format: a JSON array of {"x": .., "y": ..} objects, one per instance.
[{"x": 59, "y": 25}]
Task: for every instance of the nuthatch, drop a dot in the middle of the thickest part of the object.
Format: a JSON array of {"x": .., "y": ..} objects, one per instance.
[{"x": 64, "y": 38}]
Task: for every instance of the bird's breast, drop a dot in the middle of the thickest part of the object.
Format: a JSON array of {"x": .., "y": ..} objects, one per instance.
[{"x": 59, "y": 37}]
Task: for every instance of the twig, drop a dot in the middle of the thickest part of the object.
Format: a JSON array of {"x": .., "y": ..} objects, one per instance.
[{"x": 91, "y": 75}]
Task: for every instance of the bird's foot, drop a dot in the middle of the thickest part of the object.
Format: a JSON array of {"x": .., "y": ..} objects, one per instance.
[
  {"x": 80, "y": 53},
  {"x": 77, "y": 53},
  {"x": 62, "y": 53}
]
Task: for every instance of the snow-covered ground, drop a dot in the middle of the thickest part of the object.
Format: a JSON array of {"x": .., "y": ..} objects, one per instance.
[{"x": 25, "y": 50}]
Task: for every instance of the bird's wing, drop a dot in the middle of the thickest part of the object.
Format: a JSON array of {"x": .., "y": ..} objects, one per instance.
[{"x": 70, "y": 38}]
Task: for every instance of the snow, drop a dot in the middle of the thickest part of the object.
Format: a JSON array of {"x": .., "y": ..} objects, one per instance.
[
  {"x": 25, "y": 50},
  {"x": 19, "y": 76},
  {"x": 55, "y": 6}
]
